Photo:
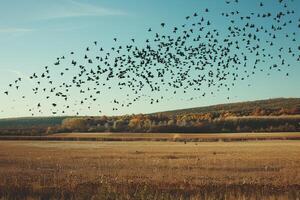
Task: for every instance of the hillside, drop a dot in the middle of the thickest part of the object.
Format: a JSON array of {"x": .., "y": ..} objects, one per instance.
[
  {"x": 241, "y": 107},
  {"x": 30, "y": 121},
  {"x": 273, "y": 115},
  {"x": 28, "y": 125}
]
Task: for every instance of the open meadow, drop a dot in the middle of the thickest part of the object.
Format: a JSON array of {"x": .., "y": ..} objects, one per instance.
[
  {"x": 170, "y": 137},
  {"x": 149, "y": 100},
  {"x": 150, "y": 170}
]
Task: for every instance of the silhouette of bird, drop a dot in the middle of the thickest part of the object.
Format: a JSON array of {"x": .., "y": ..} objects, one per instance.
[{"x": 197, "y": 58}]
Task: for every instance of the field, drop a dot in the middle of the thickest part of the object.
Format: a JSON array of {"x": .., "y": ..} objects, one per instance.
[
  {"x": 150, "y": 170},
  {"x": 171, "y": 137},
  {"x": 202, "y": 137}
]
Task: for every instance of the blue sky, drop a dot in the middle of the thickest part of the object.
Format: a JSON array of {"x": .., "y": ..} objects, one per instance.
[{"x": 34, "y": 32}]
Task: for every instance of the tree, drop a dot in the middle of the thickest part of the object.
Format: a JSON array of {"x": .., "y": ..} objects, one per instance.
[
  {"x": 120, "y": 125},
  {"x": 74, "y": 124},
  {"x": 134, "y": 124}
]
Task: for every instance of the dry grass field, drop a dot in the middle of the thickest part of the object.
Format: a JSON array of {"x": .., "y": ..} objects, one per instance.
[
  {"x": 180, "y": 137},
  {"x": 149, "y": 170},
  {"x": 171, "y": 137}
]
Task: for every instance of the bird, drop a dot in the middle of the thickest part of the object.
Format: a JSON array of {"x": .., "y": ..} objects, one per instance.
[{"x": 196, "y": 58}]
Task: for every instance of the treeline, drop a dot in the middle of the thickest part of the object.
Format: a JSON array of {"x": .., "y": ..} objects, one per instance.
[{"x": 258, "y": 120}]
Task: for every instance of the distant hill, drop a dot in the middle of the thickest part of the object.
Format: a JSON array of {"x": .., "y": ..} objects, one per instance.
[
  {"x": 28, "y": 125},
  {"x": 273, "y": 115},
  {"x": 30, "y": 121},
  {"x": 241, "y": 107},
  {"x": 249, "y": 106}
]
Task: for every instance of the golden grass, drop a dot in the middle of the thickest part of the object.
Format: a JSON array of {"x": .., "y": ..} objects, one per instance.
[
  {"x": 150, "y": 170},
  {"x": 177, "y": 135},
  {"x": 208, "y": 137}
]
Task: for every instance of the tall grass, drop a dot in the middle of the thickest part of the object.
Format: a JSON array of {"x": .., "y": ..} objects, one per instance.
[{"x": 159, "y": 170}]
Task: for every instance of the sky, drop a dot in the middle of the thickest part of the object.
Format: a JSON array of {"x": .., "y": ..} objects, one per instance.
[{"x": 33, "y": 33}]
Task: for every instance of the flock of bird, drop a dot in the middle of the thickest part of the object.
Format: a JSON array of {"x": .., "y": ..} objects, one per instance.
[{"x": 195, "y": 57}]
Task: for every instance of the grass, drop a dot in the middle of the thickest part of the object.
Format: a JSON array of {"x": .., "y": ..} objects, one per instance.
[
  {"x": 149, "y": 170},
  {"x": 209, "y": 137}
]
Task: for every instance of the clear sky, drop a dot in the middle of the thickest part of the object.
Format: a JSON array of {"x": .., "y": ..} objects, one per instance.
[{"x": 33, "y": 33}]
